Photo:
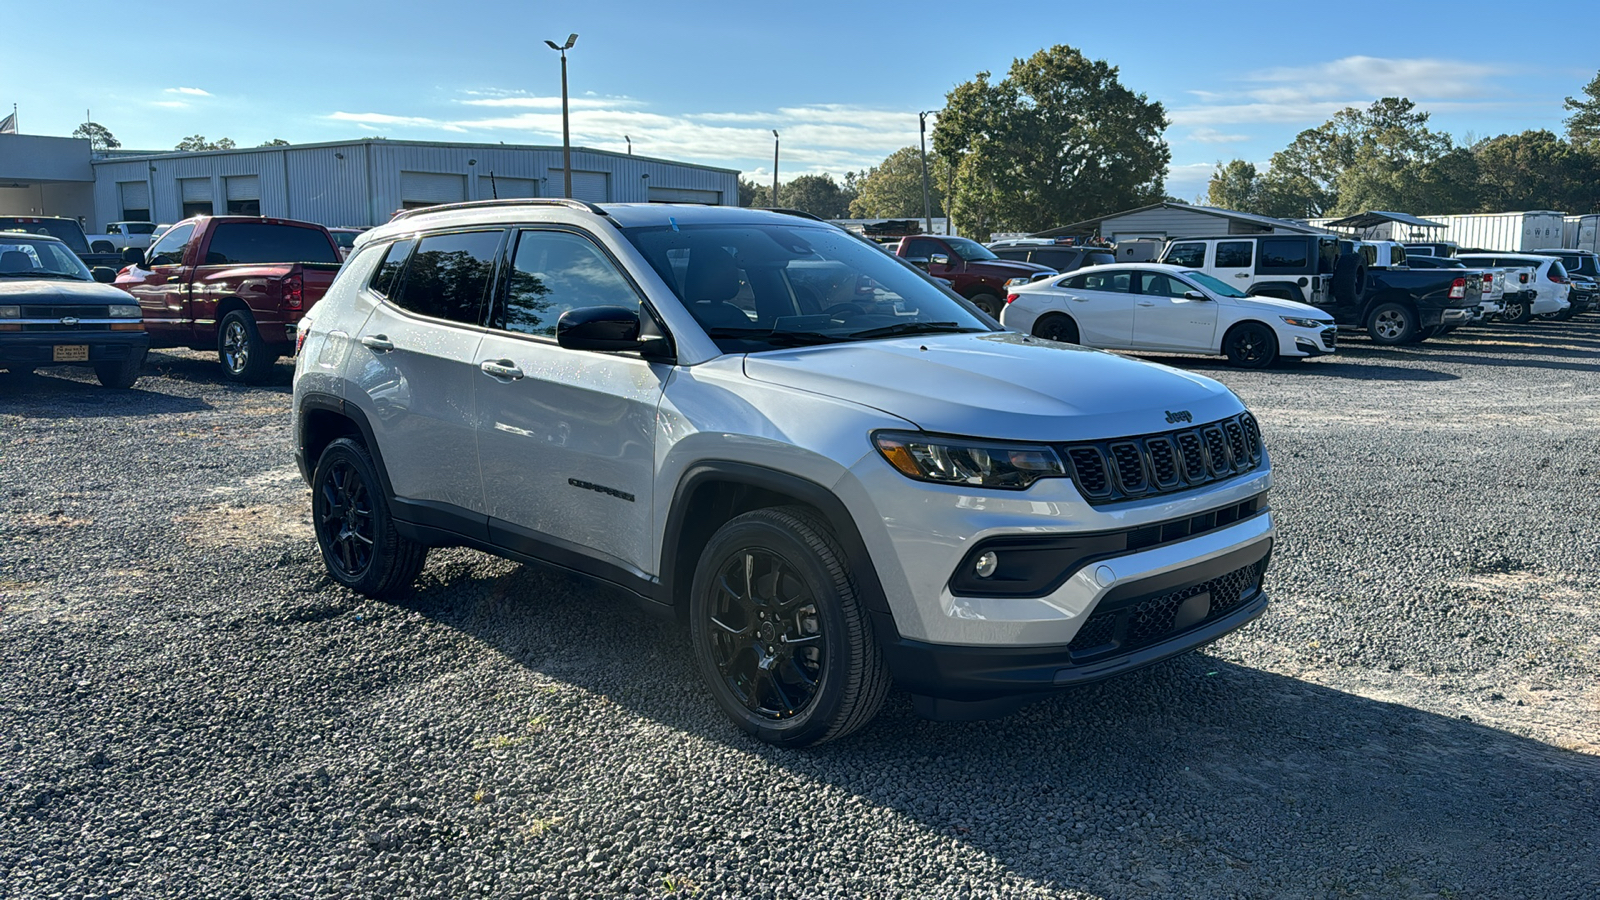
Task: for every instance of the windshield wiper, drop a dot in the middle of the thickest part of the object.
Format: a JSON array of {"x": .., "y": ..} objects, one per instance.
[
  {"x": 902, "y": 328},
  {"x": 777, "y": 338},
  {"x": 40, "y": 275}
]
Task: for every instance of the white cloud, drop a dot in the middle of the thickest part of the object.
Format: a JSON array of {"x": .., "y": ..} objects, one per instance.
[
  {"x": 191, "y": 91},
  {"x": 170, "y": 104},
  {"x": 1311, "y": 94},
  {"x": 1189, "y": 182},
  {"x": 1213, "y": 136},
  {"x": 384, "y": 119}
]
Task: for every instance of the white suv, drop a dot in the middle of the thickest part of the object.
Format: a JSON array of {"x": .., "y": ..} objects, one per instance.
[{"x": 839, "y": 474}]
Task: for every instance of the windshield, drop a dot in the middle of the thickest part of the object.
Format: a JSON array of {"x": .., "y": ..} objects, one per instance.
[
  {"x": 138, "y": 227},
  {"x": 65, "y": 229},
  {"x": 757, "y": 287},
  {"x": 969, "y": 249},
  {"x": 345, "y": 238},
  {"x": 1214, "y": 285},
  {"x": 25, "y": 257}
]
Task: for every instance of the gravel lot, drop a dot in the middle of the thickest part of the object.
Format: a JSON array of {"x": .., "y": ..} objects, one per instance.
[{"x": 188, "y": 708}]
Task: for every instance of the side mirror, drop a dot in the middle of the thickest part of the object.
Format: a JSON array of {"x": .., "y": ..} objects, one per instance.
[
  {"x": 610, "y": 329},
  {"x": 940, "y": 259},
  {"x": 1195, "y": 295},
  {"x": 133, "y": 256},
  {"x": 920, "y": 262},
  {"x": 104, "y": 274}
]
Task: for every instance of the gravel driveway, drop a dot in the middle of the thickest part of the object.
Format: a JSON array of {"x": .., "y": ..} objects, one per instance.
[{"x": 188, "y": 708}]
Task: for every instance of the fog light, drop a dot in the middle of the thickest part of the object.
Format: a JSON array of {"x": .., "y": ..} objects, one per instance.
[{"x": 988, "y": 563}]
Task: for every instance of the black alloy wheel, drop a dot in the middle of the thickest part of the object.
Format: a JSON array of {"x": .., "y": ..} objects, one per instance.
[
  {"x": 779, "y": 634},
  {"x": 1250, "y": 346},
  {"x": 350, "y": 514},
  {"x": 1056, "y": 327}
]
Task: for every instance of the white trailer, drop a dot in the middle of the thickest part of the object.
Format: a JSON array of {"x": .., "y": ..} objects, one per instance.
[
  {"x": 1582, "y": 233},
  {"x": 1508, "y": 232}
]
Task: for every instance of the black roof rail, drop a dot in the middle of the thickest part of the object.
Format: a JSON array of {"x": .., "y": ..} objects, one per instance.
[
  {"x": 791, "y": 212},
  {"x": 492, "y": 204}
]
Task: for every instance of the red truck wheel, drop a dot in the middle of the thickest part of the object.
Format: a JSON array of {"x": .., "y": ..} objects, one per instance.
[{"x": 245, "y": 356}]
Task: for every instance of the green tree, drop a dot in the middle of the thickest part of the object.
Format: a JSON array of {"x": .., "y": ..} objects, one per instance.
[
  {"x": 1536, "y": 170},
  {"x": 99, "y": 137},
  {"x": 1235, "y": 185},
  {"x": 196, "y": 142},
  {"x": 893, "y": 188},
  {"x": 1583, "y": 126},
  {"x": 1059, "y": 139},
  {"x": 275, "y": 142},
  {"x": 753, "y": 194},
  {"x": 818, "y": 195}
]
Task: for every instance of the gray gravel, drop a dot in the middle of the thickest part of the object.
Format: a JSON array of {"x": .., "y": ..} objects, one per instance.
[{"x": 188, "y": 708}]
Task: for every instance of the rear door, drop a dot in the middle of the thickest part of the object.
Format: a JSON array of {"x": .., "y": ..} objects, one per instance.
[
  {"x": 1101, "y": 302},
  {"x": 1164, "y": 318},
  {"x": 417, "y": 368},
  {"x": 567, "y": 437},
  {"x": 1234, "y": 263}
]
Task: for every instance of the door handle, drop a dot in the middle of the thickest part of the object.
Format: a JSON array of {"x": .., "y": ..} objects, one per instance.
[
  {"x": 378, "y": 342},
  {"x": 1146, "y": 303},
  {"x": 1079, "y": 299},
  {"x": 1241, "y": 274},
  {"x": 501, "y": 368}
]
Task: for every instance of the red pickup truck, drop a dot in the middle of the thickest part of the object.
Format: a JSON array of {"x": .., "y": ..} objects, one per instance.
[
  {"x": 973, "y": 271},
  {"x": 238, "y": 284}
]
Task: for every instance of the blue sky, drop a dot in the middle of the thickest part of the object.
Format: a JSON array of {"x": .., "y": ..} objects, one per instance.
[{"x": 707, "y": 82}]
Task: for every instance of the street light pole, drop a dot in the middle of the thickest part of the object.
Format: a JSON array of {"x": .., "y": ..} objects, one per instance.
[
  {"x": 774, "y": 167},
  {"x": 630, "y": 144},
  {"x": 566, "y": 130},
  {"x": 927, "y": 207}
]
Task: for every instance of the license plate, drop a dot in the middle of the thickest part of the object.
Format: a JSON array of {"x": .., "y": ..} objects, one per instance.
[{"x": 71, "y": 353}]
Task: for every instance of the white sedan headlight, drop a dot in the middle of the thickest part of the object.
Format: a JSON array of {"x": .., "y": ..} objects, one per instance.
[{"x": 1299, "y": 322}]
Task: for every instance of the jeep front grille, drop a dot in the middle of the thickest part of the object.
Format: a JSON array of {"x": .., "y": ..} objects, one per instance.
[{"x": 1169, "y": 462}]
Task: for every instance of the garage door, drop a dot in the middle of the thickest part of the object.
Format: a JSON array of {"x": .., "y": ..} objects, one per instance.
[
  {"x": 684, "y": 195},
  {"x": 135, "y": 198},
  {"x": 244, "y": 194},
  {"x": 506, "y": 188},
  {"x": 195, "y": 190},
  {"x": 594, "y": 187},
  {"x": 430, "y": 188}
]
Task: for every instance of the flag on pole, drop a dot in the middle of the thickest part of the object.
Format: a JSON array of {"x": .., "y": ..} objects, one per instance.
[{"x": 8, "y": 125}]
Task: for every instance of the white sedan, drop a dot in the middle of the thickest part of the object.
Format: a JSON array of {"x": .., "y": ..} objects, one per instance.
[{"x": 1150, "y": 306}]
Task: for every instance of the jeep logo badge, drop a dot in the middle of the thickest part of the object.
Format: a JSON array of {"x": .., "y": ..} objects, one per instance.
[{"x": 1181, "y": 415}]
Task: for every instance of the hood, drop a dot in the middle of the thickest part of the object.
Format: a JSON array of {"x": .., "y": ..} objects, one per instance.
[
  {"x": 1000, "y": 385},
  {"x": 1010, "y": 268},
  {"x": 60, "y": 293},
  {"x": 1282, "y": 307}
]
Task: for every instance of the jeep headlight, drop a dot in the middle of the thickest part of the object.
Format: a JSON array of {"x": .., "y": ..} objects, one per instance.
[
  {"x": 1298, "y": 322},
  {"x": 124, "y": 312},
  {"x": 967, "y": 461}
]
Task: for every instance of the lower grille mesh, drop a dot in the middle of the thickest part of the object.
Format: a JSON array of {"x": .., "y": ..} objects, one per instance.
[{"x": 1135, "y": 626}]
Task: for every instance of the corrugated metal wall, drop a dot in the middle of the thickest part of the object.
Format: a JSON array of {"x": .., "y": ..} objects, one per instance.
[
  {"x": 359, "y": 183},
  {"x": 1167, "y": 223}
]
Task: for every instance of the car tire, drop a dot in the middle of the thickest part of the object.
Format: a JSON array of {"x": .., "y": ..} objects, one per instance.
[
  {"x": 780, "y": 635},
  {"x": 245, "y": 357},
  {"x": 1518, "y": 312},
  {"x": 360, "y": 546},
  {"x": 1392, "y": 323},
  {"x": 1250, "y": 345},
  {"x": 119, "y": 375},
  {"x": 1057, "y": 327},
  {"x": 989, "y": 303},
  {"x": 1349, "y": 278}
]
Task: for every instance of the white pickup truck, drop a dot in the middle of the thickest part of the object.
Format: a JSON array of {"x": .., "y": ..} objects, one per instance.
[{"x": 122, "y": 235}]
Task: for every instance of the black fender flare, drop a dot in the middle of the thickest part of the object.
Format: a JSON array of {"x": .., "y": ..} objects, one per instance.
[{"x": 320, "y": 402}]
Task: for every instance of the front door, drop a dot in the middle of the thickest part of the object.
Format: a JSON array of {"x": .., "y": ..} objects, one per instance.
[
  {"x": 415, "y": 359},
  {"x": 1164, "y": 318},
  {"x": 1102, "y": 305},
  {"x": 161, "y": 289},
  {"x": 567, "y": 437}
]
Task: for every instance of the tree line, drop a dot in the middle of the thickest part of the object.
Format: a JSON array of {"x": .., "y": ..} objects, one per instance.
[{"x": 1386, "y": 157}]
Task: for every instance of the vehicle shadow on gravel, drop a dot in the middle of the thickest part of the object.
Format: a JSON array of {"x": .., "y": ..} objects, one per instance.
[
  {"x": 74, "y": 394},
  {"x": 1334, "y": 367},
  {"x": 196, "y": 367},
  {"x": 1196, "y": 777}
]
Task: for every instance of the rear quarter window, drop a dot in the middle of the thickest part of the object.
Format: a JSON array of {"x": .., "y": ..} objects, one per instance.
[
  {"x": 248, "y": 243},
  {"x": 1284, "y": 255}
]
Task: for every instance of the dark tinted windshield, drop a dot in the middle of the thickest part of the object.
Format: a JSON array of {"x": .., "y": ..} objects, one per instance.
[
  {"x": 138, "y": 227},
  {"x": 242, "y": 243},
  {"x": 345, "y": 238},
  {"x": 760, "y": 287},
  {"x": 65, "y": 229},
  {"x": 969, "y": 249},
  {"x": 25, "y": 257}
]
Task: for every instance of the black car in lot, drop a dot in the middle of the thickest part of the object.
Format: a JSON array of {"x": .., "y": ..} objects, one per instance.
[
  {"x": 1060, "y": 257},
  {"x": 55, "y": 312}
]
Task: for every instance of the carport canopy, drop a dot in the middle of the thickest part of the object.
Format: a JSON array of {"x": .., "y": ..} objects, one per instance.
[{"x": 1376, "y": 217}]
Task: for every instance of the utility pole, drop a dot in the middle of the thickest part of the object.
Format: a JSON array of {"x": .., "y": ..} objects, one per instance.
[
  {"x": 774, "y": 167},
  {"x": 566, "y": 130},
  {"x": 927, "y": 206}
]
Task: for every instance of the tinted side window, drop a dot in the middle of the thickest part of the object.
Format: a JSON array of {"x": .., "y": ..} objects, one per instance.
[
  {"x": 922, "y": 249},
  {"x": 240, "y": 243},
  {"x": 1284, "y": 254},
  {"x": 1234, "y": 254},
  {"x": 1013, "y": 254},
  {"x": 169, "y": 250},
  {"x": 1060, "y": 260},
  {"x": 1098, "y": 258},
  {"x": 449, "y": 275},
  {"x": 552, "y": 272},
  {"x": 394, "y": 260},
  {"x": 1190, "y": 256},
  {"x": 1155, "y": 284},
  {"x": 1110, "y": 282}
]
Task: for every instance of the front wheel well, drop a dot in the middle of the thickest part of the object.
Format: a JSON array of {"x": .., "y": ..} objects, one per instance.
[{"x": 709, "y": 506}]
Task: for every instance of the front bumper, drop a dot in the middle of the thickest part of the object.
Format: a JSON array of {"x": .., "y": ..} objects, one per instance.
[
  {"x": 36, "y": 349},
  {"x": 1312, "y": 343},
  {"x": 1134, "y": 625}
]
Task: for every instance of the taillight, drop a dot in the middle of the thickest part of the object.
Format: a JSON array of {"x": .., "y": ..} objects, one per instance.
[
  {"x": 293, "y": 292},
  {"x": 1522, "y": 277},
  {"x": 1458, "y": 289},
  {"x": 1010, "y": 297},
  {"x": 300, "y": 335},
  {"x": 1556, "y": 278}
]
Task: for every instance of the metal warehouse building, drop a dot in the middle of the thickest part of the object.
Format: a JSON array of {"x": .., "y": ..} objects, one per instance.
[
  {"x": 1162, "y": 221},
  {"x": 347, "y": 183}
]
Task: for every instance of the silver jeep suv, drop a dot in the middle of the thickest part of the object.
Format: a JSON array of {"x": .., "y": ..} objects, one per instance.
[{"x": 841, "y": 475}]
